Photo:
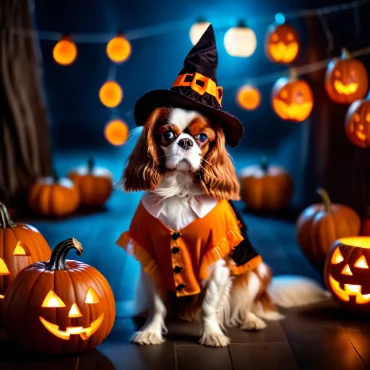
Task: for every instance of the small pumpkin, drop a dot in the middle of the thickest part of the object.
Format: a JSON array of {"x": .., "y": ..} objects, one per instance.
[
  {"x": 292, "y": 99},
  {"x": 319, "y": 225},
  {"x": 347, "y": 273},
  {"x": 264, "y": 187},
  {"x": 54, "y": 196},
  {"x": 59, "y": 306},
  {"x": 346, "y": 79},
  {"x": 20, "y": 245},
  {"x": 357, "y": 123},
  {"x": 95, "y": 184},
  {"x": 282, "y": 43}
]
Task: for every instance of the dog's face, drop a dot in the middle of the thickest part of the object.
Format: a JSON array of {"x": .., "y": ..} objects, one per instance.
[{"x": 175, "y": 139}]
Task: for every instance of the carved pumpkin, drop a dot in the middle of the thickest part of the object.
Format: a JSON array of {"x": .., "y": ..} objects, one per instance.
[
  {"x": 292, "y": 99},
  {"x": 264, "y": 187},
  {"x": 282, "y": 43},
  {"x": 20, "y": 245},
  {"x": 319, "y": 225},
  {"x": 346, "y": 79},
  {"x": 248, "y": 97},
  {"x": 347, "y": 273},
  {"x": 53, "y": 196},
  {"x": 59, "y": 306},
  {"x": 94, "y": 184},
  {"x": 357, "y": 123}
]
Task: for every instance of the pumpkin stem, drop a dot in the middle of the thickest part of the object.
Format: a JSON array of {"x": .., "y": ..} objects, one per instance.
[
  {"x": 90, "y": 165},
  {"x": 264, "y": 163},
  {"x": 58, "y": 257},
  {"x": 345, "y": 54},
  {"x": 55, "y": 176},
  {"x": 326, "y": 200},
  {"x": 5, "y": 220}
]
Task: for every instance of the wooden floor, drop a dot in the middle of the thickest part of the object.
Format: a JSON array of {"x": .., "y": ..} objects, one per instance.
[{"x": 317, "y": 337}]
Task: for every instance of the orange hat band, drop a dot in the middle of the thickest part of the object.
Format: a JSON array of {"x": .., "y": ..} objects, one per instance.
[{"x": 201, "y": 84}]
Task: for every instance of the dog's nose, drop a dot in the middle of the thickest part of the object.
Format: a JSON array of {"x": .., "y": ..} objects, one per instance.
[{"x": 185, "y": 143}]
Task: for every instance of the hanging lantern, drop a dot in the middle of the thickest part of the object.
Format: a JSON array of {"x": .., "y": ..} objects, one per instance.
[
  {"x": 110, "y": 94},
  {"x": 292, "y": 99},
  {"x": 116, "y": 132},
  {"x": 118, "y": 49},
  {"x": 65, "y": 51},
  {"x": 357, "y": 122},
  {"x": 197, "y": 30},
  {"x": 282, "y": 43},
  {"x": 240, "y": 41},
  {"x": 248, "y": 97},
  {"x": 346, "y": 79}
]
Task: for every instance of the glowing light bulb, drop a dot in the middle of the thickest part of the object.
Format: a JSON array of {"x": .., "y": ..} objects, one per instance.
[
  {"x": 116, "y": 132},
  {"x": 240, "y": 41},
  {"x": 197, "y": 30}
]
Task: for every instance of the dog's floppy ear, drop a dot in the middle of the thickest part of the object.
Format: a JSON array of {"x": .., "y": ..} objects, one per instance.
[
  {"x": 144, "y": 170},
  {"x": 218, "y": 177}
]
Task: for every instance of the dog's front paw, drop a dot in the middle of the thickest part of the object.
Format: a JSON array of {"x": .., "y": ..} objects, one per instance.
[
  {"x": 146, "y": 338},
  {"x": 214, "y": 340},
  {"x": 253, "y": 323}
]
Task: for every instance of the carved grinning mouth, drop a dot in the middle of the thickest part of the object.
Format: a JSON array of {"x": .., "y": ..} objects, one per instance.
[
  {"x": 345, "y": 89},
  {"x": 349, "y": 290}
]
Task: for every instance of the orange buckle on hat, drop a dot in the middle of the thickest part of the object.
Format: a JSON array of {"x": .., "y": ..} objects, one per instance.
[{"x": 201, "y": 84}]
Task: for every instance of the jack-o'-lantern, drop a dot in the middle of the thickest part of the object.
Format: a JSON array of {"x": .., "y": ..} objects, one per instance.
[
  {"x": 319, "y": 225},
  {"x": 347, "y": 273},
  {"x": 20, "y": 245},
  {"x": 357, "y": 123},
  {"x": 282, "y": 43},
  {"x": 94, "y": 184},
  {"x": 292, "y": 99},
  {"x": 53, "y": 196},
  {"x": 346, "y": 79},
  {"x": 59, "y": 306}
]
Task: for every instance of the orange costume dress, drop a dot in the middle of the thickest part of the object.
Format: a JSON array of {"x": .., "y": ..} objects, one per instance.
[{"x": 178, "y": 260}]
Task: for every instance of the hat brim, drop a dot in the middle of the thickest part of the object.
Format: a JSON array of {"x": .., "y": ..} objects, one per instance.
[{"x": 145, "y": 105}]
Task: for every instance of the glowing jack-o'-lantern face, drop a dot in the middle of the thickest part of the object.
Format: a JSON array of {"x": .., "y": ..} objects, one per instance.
[
  {"x": 292, "y": 99},
  {"x": 347, "y": 272},
  {"x": 346, "y": 79},
  {"x": 357, "y": 123},
  {"x": 282, "y": 43}
]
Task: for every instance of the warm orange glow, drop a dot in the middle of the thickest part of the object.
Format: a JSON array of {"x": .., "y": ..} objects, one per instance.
[
  {"x": 248, "y": 97},
  {"x": 340, "y": 293},
  {"x": 1, "y": 296},
  {"x": 361, "y": 263},
  {"x": 118, "y": 49},
  {"x": 74, "y": 311},
  {"x": 356, "y": 241},
  {"x": 111, "y": 94},
  {"x": 116, "y": 132},
  {"x": 346, "y": 89},
  {"x": 336, "y": 257},
  {"x": 347, "y": 271},
  {"x": 65, "y": 52},
  {"x": 283, "y": 52},
  {"x": 3, "y": 268},
  {"x": 92, "y": 296},
  {"x": 52, "y": 300},
  {"x": 20, "y": 250},
  {"x": 349, "y": 290},
  {"x": 293, "y": 111},
  {"x": 84, "y": 333}
]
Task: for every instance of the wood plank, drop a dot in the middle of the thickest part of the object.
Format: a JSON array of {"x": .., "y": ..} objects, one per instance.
[
  {"x": 202, "y": 358},
  {"x": 360, "y": 339},
  {"x": 262, "y": 356}
]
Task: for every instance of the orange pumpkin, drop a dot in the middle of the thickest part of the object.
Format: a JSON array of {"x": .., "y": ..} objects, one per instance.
[
  {"x": 292, "y": 99},
  {"x": 94, "y": 184},
  {"x": 282, "y": 43},
  {"x": 320, "y": 225},
  {"x": 347, "y": 273},
  {"x": 264, "y": 187},
  {"x": 346, "y": 79},
  {"x": 20, "y": 245},
  {"x": 54, "y": 196},
  {"x": 357, "y": 123},
  {"x": 59, "y": 306}
]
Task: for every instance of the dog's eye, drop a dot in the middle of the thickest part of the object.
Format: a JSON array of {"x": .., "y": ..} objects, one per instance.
[
  {"x": 201, "y": 137},
  {"x": 168, "y": 135}
]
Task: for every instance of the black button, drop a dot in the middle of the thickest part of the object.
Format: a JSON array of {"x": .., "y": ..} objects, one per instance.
[
  {"x": 175, "y": 250},
  {"x": 175, "y": 236},
  {"x": 180, "y": 287},
  {"x": 178, "y": 269}
]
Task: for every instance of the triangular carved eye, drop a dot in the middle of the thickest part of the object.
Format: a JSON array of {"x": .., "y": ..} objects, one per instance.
[
  {"x": 92, "y": 296},
  {"x": 3, "y": 268},
  {"x": 52, "y": 300},
  {"x": 21, "y": 249},
  {"x": 347, "y": 271},
  {"x": 361, "y": 263},
  {"x": 337, "y": 257}
]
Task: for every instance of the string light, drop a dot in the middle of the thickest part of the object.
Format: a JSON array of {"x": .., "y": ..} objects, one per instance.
[
  {"x": 248, "y": 97},
  {"x": 116, "y": 132},
  {"x": 110, "y": 94},
  {"x": 65, "y": 51},
  {"x": 118, "y": 49},
  {"x": 197, "y": 30},
  {"x": 240, "y": 41}
]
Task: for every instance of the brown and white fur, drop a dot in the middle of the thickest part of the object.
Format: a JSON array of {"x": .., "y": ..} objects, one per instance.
[{"x": 177, "y": 169}]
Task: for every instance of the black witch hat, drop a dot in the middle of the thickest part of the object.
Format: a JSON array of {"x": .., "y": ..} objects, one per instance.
[{"x": 195, "y": 88}]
